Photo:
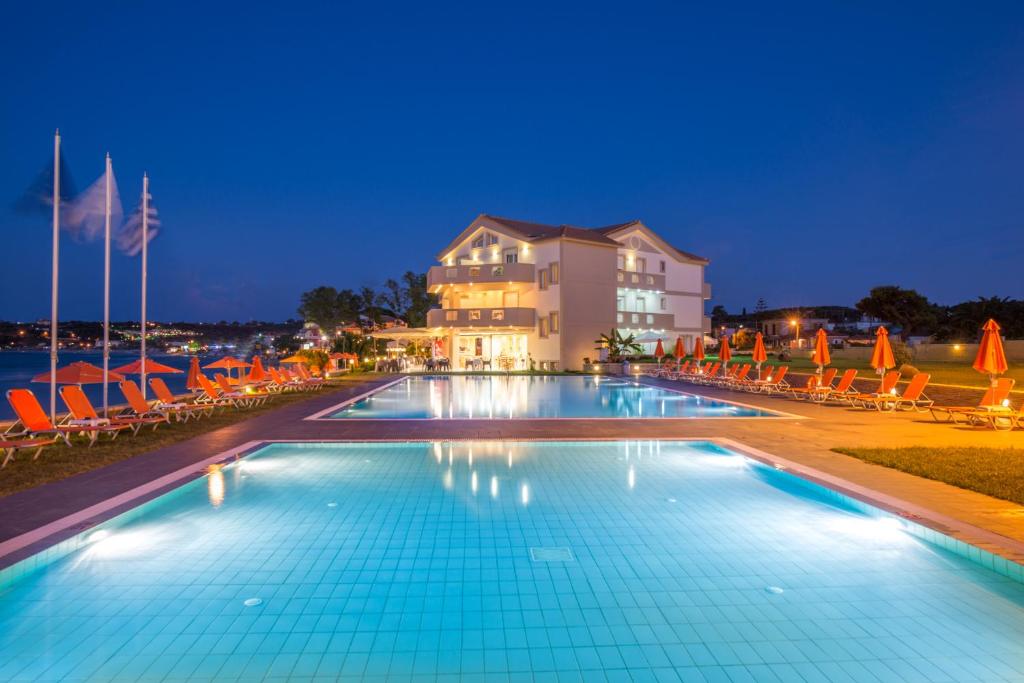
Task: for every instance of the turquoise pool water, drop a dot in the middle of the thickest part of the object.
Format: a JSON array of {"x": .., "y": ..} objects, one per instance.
[
  {"x": 517, "y": 396},
  {"x": 530, "y": 561}
]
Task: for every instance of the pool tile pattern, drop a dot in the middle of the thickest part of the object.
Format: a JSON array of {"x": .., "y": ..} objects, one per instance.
[{"x": 412, "y": 562}]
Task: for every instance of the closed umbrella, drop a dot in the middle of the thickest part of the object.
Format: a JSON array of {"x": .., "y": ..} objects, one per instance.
[
  {"x": 698, "y": 351},
  {"x": 882, "y": 358},
  {"x": 679, "y": 351},
  {"x": 192, "y": 381},
  {"x": 724, "y": 353},
  {"x": 659, "y": 351},
  {"x": 821, "y": 357},
  {"x": 991, "y": 358},
  {"x": 760, "y": 355},
  {"x": 257, "y": 374}
]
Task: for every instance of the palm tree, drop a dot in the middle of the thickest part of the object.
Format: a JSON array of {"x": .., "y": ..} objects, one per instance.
[{"x": 618, "y": 345}]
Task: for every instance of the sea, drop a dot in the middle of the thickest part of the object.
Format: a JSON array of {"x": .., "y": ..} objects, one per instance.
[{"x": 17, "y": 368}]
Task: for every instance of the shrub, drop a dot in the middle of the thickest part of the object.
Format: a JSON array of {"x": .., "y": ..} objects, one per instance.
[
  {"x": 907, "y": 371},
  {"x": 901, "y": 353}
]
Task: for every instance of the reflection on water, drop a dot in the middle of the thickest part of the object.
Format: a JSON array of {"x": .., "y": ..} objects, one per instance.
[{"x": 517, "y": 396}]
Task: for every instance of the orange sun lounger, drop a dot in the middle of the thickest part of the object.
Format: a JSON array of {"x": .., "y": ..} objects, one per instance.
[
  {"x": 991, "y": 402},
  {"x": 33, "y": 419},
  {"x": 167, "y": 404},
  {"x": 83, "y": 415}
]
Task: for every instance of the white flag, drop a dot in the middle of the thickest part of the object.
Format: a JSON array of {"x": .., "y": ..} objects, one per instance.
[
  {"x": 129, "y": 237},
  {"x": 86, "y": 215}
]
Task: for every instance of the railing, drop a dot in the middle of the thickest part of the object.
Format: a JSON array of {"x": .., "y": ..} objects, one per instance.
[
  {"x": 480, "y": 273},
  {"x": 655, "y": 321},
  {"x": 631, "y": 280},
  {"x": 481, "y": 317}
]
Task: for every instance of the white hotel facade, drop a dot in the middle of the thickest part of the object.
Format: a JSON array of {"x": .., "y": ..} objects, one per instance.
[{"x": 513, "y": 292}]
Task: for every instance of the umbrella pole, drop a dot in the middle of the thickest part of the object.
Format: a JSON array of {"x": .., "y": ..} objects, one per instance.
[
  {"x": 145, "y": 239},
  {"x": 55, "y": 274}
]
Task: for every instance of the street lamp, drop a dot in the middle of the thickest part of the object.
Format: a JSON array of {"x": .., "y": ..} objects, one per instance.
[{"x": 795, "y": 323}]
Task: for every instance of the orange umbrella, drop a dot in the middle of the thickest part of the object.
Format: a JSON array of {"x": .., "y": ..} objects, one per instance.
[
  {"x": 698, "y": 350},
  {"x": 257, "y": 374},
  {"x": 152, "y": 368},
  {"x": 227, "y": 363},
  {"x": 882, "y": 358},
  {"x": 659, "y": 351},
  {"x": 680, "y": 348},
  {"x": 760, "y": 355},
  {"x": 991, "y": 358},
  {"x": 79, "y": 372},
  {"x": 821, "y": 357},
  {"x": 192, "y": 381},
  {"x": 724, "y": 353}
]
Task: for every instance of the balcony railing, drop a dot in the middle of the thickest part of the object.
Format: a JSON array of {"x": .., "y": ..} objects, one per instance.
[
  {"x": 481, "y": 317},
  {"x": 654, "y": 321},
  {"x": 483, "y": 273},
  {"x": 631, "y": 280}
]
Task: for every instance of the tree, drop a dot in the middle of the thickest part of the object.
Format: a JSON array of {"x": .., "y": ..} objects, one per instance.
[
  {"x": 350, "y": 306},
  {"x": 320, "y": 306},
  {"x": 761, "y": 305},
  {"x": 370, "y": 309},
  {"x": 419, "y": 299},
  {"x": 903, "y": 307},
  {"x": 743, "y": 339},
  {"x": 617, "y": 345}
]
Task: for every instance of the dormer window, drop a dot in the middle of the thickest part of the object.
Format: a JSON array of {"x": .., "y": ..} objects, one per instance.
[{"x": 484, "y": 239}]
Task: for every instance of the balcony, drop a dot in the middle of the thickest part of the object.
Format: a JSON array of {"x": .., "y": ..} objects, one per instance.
[
  {"x": 481, "y": 317},
  {"x": 630, "y": 280},
  {"x": 707, "y": 291},
  {"x": 645, "y": 321},
  {"x": 497, "y": 274}
]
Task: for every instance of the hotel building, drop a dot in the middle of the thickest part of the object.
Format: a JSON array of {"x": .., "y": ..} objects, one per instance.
[{"x": 514, "y": 292}]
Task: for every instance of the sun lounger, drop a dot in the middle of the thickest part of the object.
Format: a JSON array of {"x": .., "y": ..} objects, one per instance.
[
  {"x": 211, "y": 395},
  {"x": 167, "y": 404},
  {"x": 912, "y": 398},
  {"x": 11, "y": 446},
  {"x": 304, "y": 374},
  {"x": 994, "y": 400},
  {"x": 739, "y": 377},
  {"x": 227, "y": 391},
  {"x": 776, "y": 383},
  {"x": 84, "y": 415},
  {"x": 814, "y": 385},
  {"x": 840, "y": 391},
  {"x": 709, "y": 376},
  {"x": 139, "y": 408},
  {"x": 33, "y": 420},
  {"x": 887, "y": 386},
  {"x": 681, "y": 369},
  {"x": 254, "y": 394}
]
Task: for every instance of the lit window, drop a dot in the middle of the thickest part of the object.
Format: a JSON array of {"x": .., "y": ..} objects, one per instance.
[
  {"x": 620, "y": 276},
  {"x": 553, "y": 324},
  {"x": 542, "y": 328},
  {"x": 512, "y": 255},
  {"x": 474, "y": 271},
  {"x": 553, "y": 269},
  {"x": 474, "y": 315},
  {"x": 498, "y": 314},
  {"x": 542, "y": 278},
  {"x": 498, "y": 270},
  {"x": 622, "y": 262}
]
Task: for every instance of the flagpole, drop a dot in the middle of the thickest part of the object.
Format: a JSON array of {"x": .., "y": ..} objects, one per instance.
[
  {"x": 55, "y": 269},
  {"x": 106, "y": 293},
  {"x": 145, "y": 240}
]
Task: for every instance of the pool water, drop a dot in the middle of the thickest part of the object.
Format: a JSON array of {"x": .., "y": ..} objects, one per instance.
[
  {"x": 494, "y": 561},
  {"x": 518, "y": 396}
]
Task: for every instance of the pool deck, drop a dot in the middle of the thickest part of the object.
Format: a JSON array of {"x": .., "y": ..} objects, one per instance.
[{"x": 33, "y": 519}]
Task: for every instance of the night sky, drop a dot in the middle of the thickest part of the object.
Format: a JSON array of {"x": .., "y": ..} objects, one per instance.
[{"x": 809, "y": 151}]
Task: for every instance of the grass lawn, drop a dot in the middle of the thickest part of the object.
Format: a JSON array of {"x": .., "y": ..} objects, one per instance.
[
  {"x": 941, "y": 372},
  {"x": 59, "y": 462},
  {"x": 997, "y": 472}
]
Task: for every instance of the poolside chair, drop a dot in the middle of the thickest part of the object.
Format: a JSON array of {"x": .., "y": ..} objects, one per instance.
[
  {"x": 994, "y": 400},
  {"x": 737, "y": 378},
  {"x": 812, "y": 388},
  {"x": 227, "y": 391},
  {"x": 886, "y": 386},
  {"x": 709, "y": 376},
  {"x": 211, "y": 395},
  {"x": 139, "y": 408},
  {"x": 167, "y": 404},
  {"x": 776, "y": 383},
  {"x": 253, "y": 393},
  {"x": 84, "y": 415},
  {"x": 281, "y": 382},
  {"x": 11, "y": 446},
  {"x": 681, "y": 369},
  {"x": 33, "y": 419},
  {"x": 307, "y": 377},
  {"x": 912, "y": 398},
  {"x": 840, "y": 391}
]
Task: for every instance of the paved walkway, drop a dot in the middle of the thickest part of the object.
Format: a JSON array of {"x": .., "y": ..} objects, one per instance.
[{"x": 804, "y": 439}]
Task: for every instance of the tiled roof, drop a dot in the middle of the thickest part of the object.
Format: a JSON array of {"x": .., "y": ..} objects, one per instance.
[{"x": 533, "y": 232}]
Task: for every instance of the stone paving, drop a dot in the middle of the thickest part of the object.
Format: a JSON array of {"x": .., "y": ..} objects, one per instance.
[{"x": 805, "y": 438}]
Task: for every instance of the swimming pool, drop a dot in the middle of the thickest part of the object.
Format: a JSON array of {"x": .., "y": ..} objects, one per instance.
[
  {"x": 508, "y": 561},
  {"x": 545, "y": 397}
]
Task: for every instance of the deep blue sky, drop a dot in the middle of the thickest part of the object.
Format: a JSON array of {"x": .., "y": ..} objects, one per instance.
[{"x": 810, "y": 150}]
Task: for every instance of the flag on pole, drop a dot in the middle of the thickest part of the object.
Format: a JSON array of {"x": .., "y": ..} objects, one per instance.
[
  {"x": 38, "y": 198},
  {"x": 85, "y": 218},
  {"x": 129, "y": 237}
]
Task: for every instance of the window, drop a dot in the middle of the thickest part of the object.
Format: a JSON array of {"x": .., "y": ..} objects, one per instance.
[
  {"x": 649, "y": 279},
  {"x": 491, "y": 239},
  {"x": 511, "y": 255},
  {"x": 661, "y": 266},
  {"x": 641, "y": 304},
  {"x": 498, "y": 271},
  {"x": 542, "y": 278},
  {"x": 542, "y": 328},
  {"x": 622, "y": 262},
  {"x": 664, "y": 303},
  {"x": 474, "y": 271},
  {"x": 618, "y": 318},
  {"x": 620, "y": 304},
  {"x": 497, "y": 314},
  {"x": 451, "y": 316},
  {"x": 478, "y": 242},
  {"x": 641, "y": 265},
  {"x": 620, "y": 276},
  {"x": 553, "y": 322},
  {"x": 553, "y": 269},
  {"x": 474, "y": 315},
  {"x": 484, "y": 239}
]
